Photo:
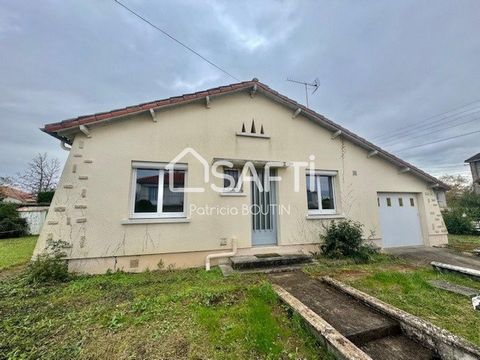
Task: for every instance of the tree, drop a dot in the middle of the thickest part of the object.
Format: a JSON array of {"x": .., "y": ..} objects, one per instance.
[
  {"x": 41, "y": 174},
  {"x": 459, "y": 185}
]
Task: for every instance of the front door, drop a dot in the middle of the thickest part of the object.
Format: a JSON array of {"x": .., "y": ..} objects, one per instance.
[{"x": 264, "y": 219}]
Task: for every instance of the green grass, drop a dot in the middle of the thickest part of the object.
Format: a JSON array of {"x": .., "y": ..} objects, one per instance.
[
  {"x": 464, "y": 242},
  {"x": 16, "y": 251},
  {"x": 173, "y": 314},
  {"x": 406, "y": 286},
  {"x": 411, "y": 292}
]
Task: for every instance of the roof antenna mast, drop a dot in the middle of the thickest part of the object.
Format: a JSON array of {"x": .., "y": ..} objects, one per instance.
[{"x": 315, "y": 85}]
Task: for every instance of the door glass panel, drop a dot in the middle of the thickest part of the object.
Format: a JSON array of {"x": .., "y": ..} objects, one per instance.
[{"x": 146, "y": 191}]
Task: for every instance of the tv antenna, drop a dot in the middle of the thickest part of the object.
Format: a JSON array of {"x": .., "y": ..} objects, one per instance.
[{"x": 315, "y": 85}]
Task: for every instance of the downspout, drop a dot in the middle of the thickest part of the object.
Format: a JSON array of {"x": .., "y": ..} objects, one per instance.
[{"x": 221, "y": 255}]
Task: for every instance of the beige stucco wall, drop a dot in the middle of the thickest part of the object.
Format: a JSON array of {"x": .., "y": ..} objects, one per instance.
[{"x": 93, "y": 197}]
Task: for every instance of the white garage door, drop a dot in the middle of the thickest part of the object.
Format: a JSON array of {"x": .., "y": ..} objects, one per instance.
[{"x": 399, "y": 219}]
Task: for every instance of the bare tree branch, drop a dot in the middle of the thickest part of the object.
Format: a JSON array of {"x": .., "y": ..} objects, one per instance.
[{"x": 41, "y": 174}]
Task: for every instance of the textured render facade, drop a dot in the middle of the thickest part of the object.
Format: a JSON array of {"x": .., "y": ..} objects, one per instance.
[{"x": 92, "y": 207}]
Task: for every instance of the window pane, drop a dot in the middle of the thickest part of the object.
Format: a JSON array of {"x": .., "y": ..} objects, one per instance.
[
  {"x": 389, "y": 202},
  {"x": 327, "y": 193},
  {"x": 400, "y": 201},
  {"x": 412, "y": 202},
  {"x": 146, "y": 191},
  {"x": 312, "y": 193},
  {"x": 173, "y": 200},
  {"x": 226, "y": 181}
]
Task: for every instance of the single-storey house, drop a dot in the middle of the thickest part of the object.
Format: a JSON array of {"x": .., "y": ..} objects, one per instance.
[
  {"x": 13, "y": 195},
  {"x": 474, "y": 163},
  {"x": 235, "y": 169}
]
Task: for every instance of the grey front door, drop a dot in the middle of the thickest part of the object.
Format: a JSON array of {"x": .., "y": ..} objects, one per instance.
[{"x": 264, "y": 210}]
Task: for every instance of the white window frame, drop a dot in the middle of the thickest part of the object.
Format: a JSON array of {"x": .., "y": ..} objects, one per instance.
[
  {"x": 161, "y": 171},
  {"x": 320, "y": 211}
]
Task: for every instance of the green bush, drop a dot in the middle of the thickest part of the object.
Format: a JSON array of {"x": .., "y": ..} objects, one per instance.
[
  {"x": 344, "y": 238},
  {"x": 45, "y": 197},
  {"x": 457, "y": 223},
  {"x": 11, "y": 224},
  {"x": 49, "y": 267}
]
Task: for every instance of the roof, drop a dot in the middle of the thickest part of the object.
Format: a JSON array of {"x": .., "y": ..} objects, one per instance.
[
  {"x": 62, "y": 128},
  {"x": 17, "y": 194},
  {"x": 473, "y": 158}
]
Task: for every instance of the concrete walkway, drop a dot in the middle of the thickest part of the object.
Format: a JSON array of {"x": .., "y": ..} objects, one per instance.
[{"x": 421, "y": 255}]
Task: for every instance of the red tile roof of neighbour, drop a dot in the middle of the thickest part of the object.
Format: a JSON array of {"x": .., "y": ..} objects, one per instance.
[
  {"x": 54, "y": 128},
  {"x": 473, "y": 158},
  {"x": 17, "y": 194}
]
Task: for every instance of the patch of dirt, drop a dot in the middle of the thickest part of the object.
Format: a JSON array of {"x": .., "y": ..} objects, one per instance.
[{"x": 11, "y": 272}]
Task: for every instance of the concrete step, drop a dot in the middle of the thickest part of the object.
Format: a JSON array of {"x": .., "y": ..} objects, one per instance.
[
  {"x": 397, "y": 347},
  {"x": 268, "y": 260}
]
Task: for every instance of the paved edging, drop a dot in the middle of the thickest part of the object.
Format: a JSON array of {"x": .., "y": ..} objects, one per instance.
[
  {"x": 447, "y": 345},
  {"x": 335, "y": 342},
  {"x": 472, "y": 273}
]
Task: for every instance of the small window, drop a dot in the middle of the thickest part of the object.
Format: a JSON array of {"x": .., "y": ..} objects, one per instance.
[
  {"x": 230, "y": 181},
  {"x": 154, "y": 197},
  {"x": 400, "y": 202},
  {"x": 320, "y": 194},
  {"x": 389, "y": 202},
  {"x": 412, "y": 202}
]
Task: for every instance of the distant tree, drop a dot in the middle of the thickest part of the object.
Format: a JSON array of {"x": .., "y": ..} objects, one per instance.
[
  {"x": 6, "y": 180},
  {"x": 41, "y": 174},
  {"x": 459, "y": 186}
]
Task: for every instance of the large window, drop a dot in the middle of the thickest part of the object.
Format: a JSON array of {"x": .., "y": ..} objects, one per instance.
[
  {"x": 158, "y": 193},
  {"x": 321, "y": 194}
]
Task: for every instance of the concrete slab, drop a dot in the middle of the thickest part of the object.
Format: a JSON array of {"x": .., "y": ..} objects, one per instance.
[
  {"x": 457, "y": 289},
  {"x": 421, "y": 255},
  {"x": 253, "y": 261},
  {"x": 397, "y": 348}
]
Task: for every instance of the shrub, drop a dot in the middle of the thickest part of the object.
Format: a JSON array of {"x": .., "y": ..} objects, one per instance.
[
  {"x": 344, "y": 238},
  {"x": 49, "y": 267},
  {"x": 11, "y": 224},
  {"x": 457, "y": 223},
  {"x": 45, "y": 197}
]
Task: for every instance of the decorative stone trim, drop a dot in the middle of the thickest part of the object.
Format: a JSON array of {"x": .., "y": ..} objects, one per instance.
[
  {"x": 80, "y": 206},
  {"x": 52, "y": 223},
  {"x": 84, "y": 193},
  {"x": 88, "y": 161},
  {"x": 83, "y": 177},
  {"x": 77, "y": 155},
  {"x": 60, "y": 208},
  {"x": 81, "y": 220},
  {"x": 68, "y": 186},
  {"x": 74, "y": 168}
]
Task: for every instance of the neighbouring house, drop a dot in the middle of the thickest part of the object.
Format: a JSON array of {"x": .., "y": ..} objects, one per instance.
[
  {"x": 474, "y": 163},
  {"x": 16, "y": 196},
  {"x": 164, "y": 182}
]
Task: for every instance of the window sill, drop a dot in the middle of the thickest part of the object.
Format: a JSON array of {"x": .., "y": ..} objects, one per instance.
[
  {"x": 233, "y": 194},
  {"x": 324, "y": 216},
  {"x": 171, "y": 220},
  {"x": 260, "y": 136}
]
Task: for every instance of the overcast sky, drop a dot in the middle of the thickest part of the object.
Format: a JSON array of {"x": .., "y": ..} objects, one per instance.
[{"x": 383, "y": 65}]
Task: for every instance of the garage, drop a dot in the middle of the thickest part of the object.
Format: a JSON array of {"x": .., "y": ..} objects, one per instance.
[{"x": 399, "y": 219}]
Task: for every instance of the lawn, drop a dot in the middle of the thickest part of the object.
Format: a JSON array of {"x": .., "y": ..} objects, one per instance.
[
  {"x": 16, "y": 251},
  {"x": 153, "y": 315},
  {"x": 464, "y": 242},
  {"x": 406, "y": 286}
]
